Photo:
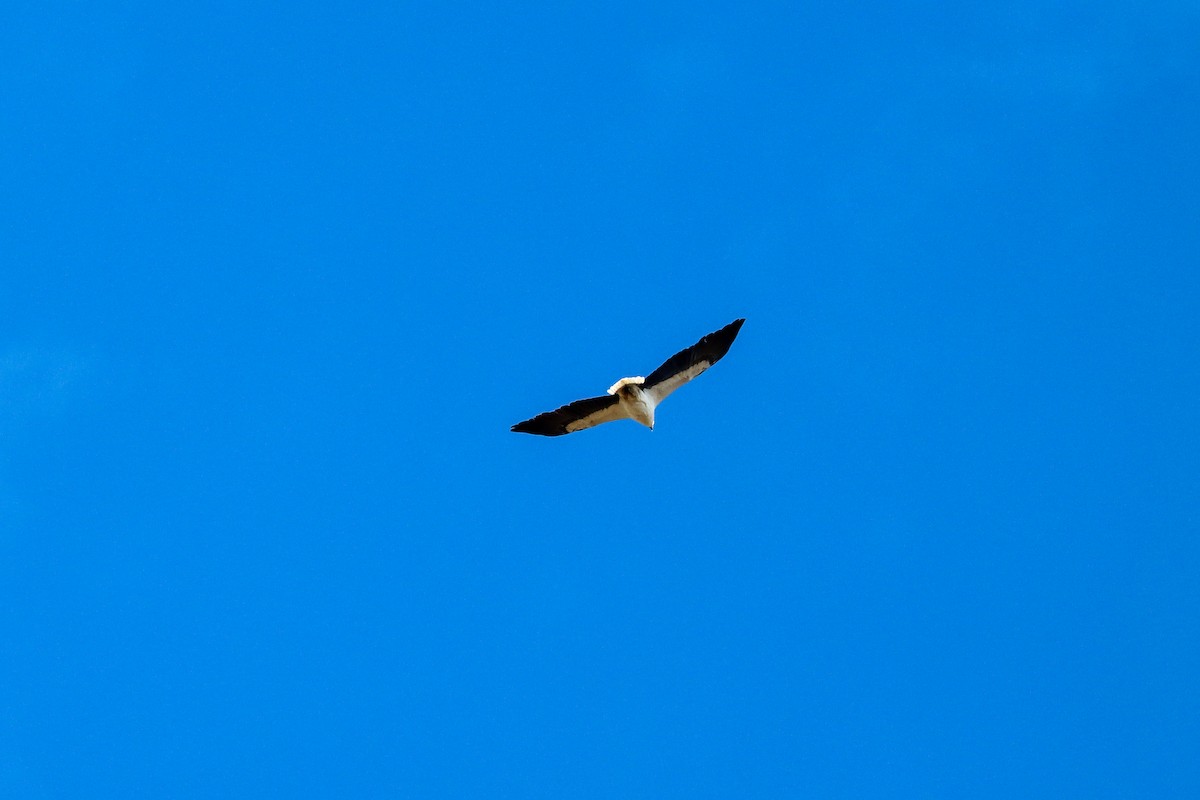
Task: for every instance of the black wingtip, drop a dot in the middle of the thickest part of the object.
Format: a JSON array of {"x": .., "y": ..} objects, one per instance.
[
  {"x": 717, "y": 343},
  {"x": 539, "y": 427},
  {"x": 730, "y": 331}
]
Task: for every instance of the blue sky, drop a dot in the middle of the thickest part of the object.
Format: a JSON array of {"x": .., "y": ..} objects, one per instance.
[{"x": 276, "y": 280}]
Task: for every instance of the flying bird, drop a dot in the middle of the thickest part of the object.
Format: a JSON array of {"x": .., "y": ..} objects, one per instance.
[{"x": 635, "y": 398}]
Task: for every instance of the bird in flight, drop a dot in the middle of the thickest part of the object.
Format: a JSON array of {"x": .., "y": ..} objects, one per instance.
[{"x": 635, "y": 398}]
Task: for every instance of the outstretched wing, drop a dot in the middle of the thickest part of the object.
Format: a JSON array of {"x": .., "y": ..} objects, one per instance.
[
  {"x": 687, "y": 364},
  {"x": 573, "y": 417}
]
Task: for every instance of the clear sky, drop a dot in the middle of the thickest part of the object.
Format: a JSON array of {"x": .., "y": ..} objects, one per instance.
[{"x": 275, "y": 280}]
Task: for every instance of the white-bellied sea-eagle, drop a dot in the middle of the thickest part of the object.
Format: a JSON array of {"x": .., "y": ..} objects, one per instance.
[{"x": 635, "y": 398}]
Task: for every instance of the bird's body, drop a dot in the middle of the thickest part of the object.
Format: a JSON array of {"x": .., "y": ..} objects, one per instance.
[
  {"x": 637, "y": 404},
  {"x": 635, "y": 398}
]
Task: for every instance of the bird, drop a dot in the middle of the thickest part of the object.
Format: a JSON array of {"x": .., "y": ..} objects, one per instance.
[{"x": 635, "y": 398}]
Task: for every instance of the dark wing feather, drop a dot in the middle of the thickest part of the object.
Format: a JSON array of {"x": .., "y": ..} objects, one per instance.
[
  {"x": 687, "y": 364},
  {"x": 572, "y": 417}
]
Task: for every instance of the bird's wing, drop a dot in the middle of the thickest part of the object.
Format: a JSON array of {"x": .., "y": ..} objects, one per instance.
[
  {"x": 687, "y": 364},
  {"x": 574, "y": 416}
]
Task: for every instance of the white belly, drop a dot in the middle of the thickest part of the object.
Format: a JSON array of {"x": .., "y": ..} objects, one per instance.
[{"x": 637, "y": 405}]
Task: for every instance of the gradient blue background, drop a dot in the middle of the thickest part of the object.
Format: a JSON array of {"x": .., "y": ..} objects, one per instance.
[{"x": 275, "y": 280}]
